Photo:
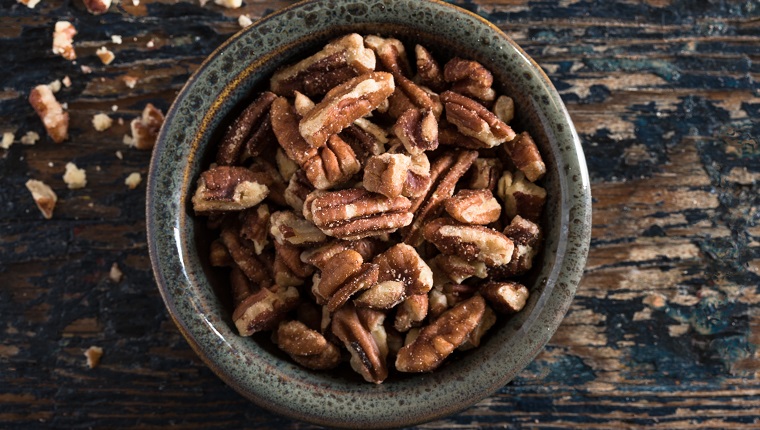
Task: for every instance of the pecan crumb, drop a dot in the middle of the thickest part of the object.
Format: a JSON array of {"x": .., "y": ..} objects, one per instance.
[
  {"x": 63, "y": 40},
  {"x": 30, "y": 138},
  {"x": 7, "y": 140},
  {"x": 93, "y": 354},
  {"x": 50, "y": 112},
  {"x": 43, "y": 196},
  {"x": 145, "y": 128},
  {"x": 101, "y": 122},
  {"x": 106, "y": 56},
  {"x": 97, "y": 7},
  {"x": 74, "y": 177},
  {"x": 133, "y": 180},
  {"x": 115, "y": 274}
]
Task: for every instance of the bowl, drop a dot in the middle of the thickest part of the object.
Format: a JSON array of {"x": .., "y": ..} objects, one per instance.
[{"x": 189, "y": 286}]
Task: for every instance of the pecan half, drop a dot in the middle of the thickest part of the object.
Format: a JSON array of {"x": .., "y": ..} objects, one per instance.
[
  {"x": 387, "y": 174},
  {"x": 226, "y": 188},
  {"x": 51, "y": 113},
  {"x": 526, "y": 236},
  {"x": 473, "y": 119},
  {"x": 473, "y": 207},
  {"x": 471, "y": 242},
  {"x": 524, "y": 154},
  {"x": 391, "y": 53},
  {"x": 448, "y": 135},
  {"x": 428, "y": 70},
  {"x": 440, "y": 338},
  {"x": 402, "y": 263},
  {"x": 366, "y": 355},
  {"x": 469, "y": 78},
  {"x": 504, "y": 109},
  {"x": 285, "y": 126},
  {"x": 338, "y": 61},
  {"x": 458, "y": 269},
  {"x": 254, "y": 224},
  {"x": 411, "y": 312},
  {"x": 335, "y": 164},
  {"x": 417, "y": 129},
  {"x": 520, "y": 196},
  {"x": 343, "y": 275},
  {"x": 445, "y": 172},
  {"x": 305, "y": 346},
  {"x": 245, "y": 258},
  {"x": 263, "y": 309},
  {"x": 355, "y": 213},
  {"x": 318, "y": 257},
  {"x": 289, "y": 270},
  {"x": 345, "y": 104},
  {"x": 383, "y": 295},
  {"x": 287, "y": 227},
  {"x": 505, "y": 297},
  {"x": 485, "y": 174},
  {"x": 244, "y": 128},
  {"x": 366, "y": 139}
]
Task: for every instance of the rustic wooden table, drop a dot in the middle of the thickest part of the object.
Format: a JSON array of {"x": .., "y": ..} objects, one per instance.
[{"x": 665, "y": 328}]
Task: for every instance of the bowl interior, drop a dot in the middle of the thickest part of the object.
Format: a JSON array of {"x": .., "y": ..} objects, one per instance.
[{"x": 196, "y": 294}]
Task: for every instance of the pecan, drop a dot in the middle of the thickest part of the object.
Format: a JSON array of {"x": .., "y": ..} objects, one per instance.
[
  {"x": 343, "y": 275},
  {"x": 305, "y": 346},
  {"x": 345, "y": 104},
  {"x": 285, "y": 165},
  {"x": 44, "y": 197},
  {"x": 63, "y": 40},
  {"x": 241, "y": 287},
  {"x": 145, "y": 127},
  {"x": 266, "y": 174},
  {"x": 303, "y": 104},
  {"x": 387, "y": 174},
  {"x": 356, "y": 213},
  {"x": 456, "y": 293},
  {"x": 417, "y": 129},
  {"x": 445, "y": 172},
  {"x": 411, "y": 312},
  {"x": 504, "y": 109},
  {"x": 448, "y": 135},
  {"x": 383, "y": 295},
  {"x": 324, "y": 167},
  {"x": 367, "y": 356},
  {"x": 441, "y": 337},
  {"x": 337, "y": 62},
  {"x": 245, "y": 258},
  {"x": 51, "y": 113},
  {"x": 524, "y": 154},
  {"x": 318, "y": 257},
  {"x": 286, "y": 226},
  {"x": 485, "y": 174},
  {"x": 458, "y": 269},
  {"x": 505, "y": 297},
  {"x": 418, "y": 177},
  {"x": 428, "y": 70},
  {"x": 226, "y": 188},
  {"x": 245, "y": 128},
  {"x": 526, "y": 236},
  {"x": 471, "y": 242},
  {"x": 520, "y": 196},
  {"x": 365, "y": 138},
  {"x": 473, "y": 119},
  {"x": 335, "y": 164},
  {"x": 473, "y": 207},
  {"x": 437, "y": 303},
  {"x": 298, "y": 188},
  {"x": 97, "y": 7},
  {"x": 263, "y": 309},
  {"x": 289, "y": 270},
  {"x": 391, "y": 53},
  {"x": 486, "y": 322},
  {"x": 218, "y": 255},
  {"x": 402, "y": 263},
  {"x": 469, "y": 78}
]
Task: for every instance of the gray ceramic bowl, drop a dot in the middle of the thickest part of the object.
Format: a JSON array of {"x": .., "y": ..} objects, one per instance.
[{"x": 188, "y": 284}]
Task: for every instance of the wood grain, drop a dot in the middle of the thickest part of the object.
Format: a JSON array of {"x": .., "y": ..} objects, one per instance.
[{"x": 665, "y": 328}]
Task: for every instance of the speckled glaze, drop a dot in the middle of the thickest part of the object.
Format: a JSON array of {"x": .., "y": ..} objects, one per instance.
[{"x": 189, "y": 285}]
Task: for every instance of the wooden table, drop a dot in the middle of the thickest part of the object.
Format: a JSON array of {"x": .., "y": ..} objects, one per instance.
[{"x": 665, "y": 327}]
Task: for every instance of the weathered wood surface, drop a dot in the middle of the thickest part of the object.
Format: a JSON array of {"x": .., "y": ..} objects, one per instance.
[{"x": 665, "y": 328}]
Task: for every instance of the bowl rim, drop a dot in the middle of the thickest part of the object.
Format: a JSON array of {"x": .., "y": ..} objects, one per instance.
[{"x": 580, "y": 233}]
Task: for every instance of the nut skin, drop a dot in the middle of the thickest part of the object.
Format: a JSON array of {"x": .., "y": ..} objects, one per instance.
[
  {"x": 470, "y": 242},
  {"x": 473, "y": 207},
  {"x": 473, "y": 119},
  {"x": 345, "y": 104},
  {"x": 440, "y": 338},
  {"x": 356, "y": 213},
  {"x": 366, "y": 356}
]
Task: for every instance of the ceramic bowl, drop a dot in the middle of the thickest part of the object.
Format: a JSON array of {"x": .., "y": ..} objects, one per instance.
[{"x": 179, "y": 242}]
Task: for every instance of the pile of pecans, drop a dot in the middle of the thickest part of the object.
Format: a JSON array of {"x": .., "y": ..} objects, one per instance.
[{"x": 376, "y": 231}]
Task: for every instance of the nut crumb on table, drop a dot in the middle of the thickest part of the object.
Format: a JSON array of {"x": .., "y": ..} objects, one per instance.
[
  {"x": 93, "y": 355},
  {"x": 63, "y": 40},
  {"x": 74, "y": 177},
  {"x": 44, "y": 197}
]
